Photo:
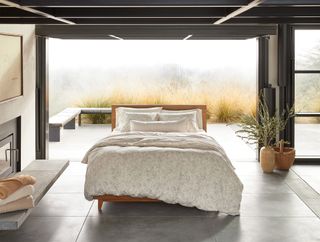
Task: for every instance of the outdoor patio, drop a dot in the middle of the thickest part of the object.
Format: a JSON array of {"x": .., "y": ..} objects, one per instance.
[
  {"x": 307, "y": 139},
  {"x": 75, "y": 142}
]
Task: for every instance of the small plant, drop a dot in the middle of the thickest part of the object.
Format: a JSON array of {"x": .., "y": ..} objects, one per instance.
[{"x": 264, "y": 128}]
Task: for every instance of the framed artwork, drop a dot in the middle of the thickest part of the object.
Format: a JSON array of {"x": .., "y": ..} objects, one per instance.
[{"x": 11, "y": 74}]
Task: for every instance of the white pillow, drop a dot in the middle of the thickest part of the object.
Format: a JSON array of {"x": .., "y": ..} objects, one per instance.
[
  {"x": 192, "y": 116},
  {"x": 121, "y": 110},
  {"x": 198, "y": 111},
  {"x": 181, "y": 125},
  {"x": 124, "y": 126}
]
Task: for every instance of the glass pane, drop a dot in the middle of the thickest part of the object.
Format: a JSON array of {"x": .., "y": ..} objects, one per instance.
[
  {"x": 307, "y": 92},
  {"x": 307, "y": 136},
  {"x": 4, "y": 159},
  {"x": 307, "y": 49}
]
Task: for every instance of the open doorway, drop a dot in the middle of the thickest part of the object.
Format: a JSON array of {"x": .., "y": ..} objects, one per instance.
[{"x": 99, "y": 73}]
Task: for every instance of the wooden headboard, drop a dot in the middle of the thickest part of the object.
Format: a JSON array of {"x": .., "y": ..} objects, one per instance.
[{"x": 167, "y": 107}]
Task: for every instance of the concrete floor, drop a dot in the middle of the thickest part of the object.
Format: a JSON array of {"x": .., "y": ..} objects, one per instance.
[
  {"x": 272, "y": 207},
  {"x": 310, "y": 174},
  {"x": 307, "y": 139}
]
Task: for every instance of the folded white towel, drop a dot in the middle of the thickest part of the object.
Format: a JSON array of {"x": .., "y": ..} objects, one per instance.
[
  {"x": 21, "y": 204},
  {"x": 20, "y": 193}
]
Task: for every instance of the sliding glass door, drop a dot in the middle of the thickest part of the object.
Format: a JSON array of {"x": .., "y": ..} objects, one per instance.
[{"x": 307, "y": 92}]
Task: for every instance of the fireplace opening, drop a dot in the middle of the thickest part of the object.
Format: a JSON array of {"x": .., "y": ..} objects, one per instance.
[{"x": 9, "y": 147}]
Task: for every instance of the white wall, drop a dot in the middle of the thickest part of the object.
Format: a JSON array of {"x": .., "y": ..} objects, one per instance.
[{"x": 23, "y": 106}]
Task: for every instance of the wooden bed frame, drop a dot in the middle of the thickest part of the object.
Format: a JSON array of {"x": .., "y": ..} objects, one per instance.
[{"x": 113, "y": 198}]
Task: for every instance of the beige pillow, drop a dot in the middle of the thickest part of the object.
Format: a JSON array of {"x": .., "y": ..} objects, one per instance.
[
  {"x": 121, "y": 110},
  {"x": 198, "y": 111},
  {"x": 181, "y": 125},
  {"x": 192, "y": 116},
  {"x": 124, "y": 126}
]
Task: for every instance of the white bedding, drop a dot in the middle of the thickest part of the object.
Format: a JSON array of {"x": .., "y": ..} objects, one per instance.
[{"x": 186, "y": 168}]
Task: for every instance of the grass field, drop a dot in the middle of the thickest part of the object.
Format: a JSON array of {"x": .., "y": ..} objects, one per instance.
[{"x": 224, "y": 104}]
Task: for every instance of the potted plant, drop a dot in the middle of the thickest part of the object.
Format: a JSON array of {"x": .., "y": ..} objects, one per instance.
[
  {"x": 284, "y": 156},
  {"x": 263, "y": 130}
]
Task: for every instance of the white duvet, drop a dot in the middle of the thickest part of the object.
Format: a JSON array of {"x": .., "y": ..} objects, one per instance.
[{"x": 186, "y": 168}]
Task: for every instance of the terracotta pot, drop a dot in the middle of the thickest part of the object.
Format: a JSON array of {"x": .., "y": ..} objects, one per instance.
[
  {"x": 267, "y": 159},
  {"x": 284, "y": 157}
]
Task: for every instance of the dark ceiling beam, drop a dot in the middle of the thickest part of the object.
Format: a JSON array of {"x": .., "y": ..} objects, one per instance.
[
  {"x": 194, "y": 21},
  {"x": 132, "y": 3},
  {"x": 291, "y": 3},
  {"x": 153, "y": 21},
  {"x": 34, "y": 11},
  {"x": 15, "y": 12},
  {"x": 34, "y": 20},
  {"x": 160, "y": 12},
  {"x": 108, "y": 21},
  {"x": 198, "y": 21},
  {"x": 208, "y": 31},
  {"x": 157, "y": 21},
  {"x": 283, "y": 12},
  {"x": 274, "y": 20}
]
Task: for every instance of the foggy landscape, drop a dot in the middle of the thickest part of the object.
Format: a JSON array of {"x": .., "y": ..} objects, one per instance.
[{"x": 220, "y": 74}]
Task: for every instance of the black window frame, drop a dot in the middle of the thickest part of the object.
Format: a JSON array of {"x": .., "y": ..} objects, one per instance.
[{"x": 302, "y": 159}]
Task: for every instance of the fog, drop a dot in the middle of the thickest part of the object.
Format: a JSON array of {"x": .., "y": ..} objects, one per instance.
[{"x": 82, "y": 69}]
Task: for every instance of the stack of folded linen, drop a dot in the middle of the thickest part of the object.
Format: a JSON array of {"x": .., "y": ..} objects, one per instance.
[{"x": 16, "y": 193}]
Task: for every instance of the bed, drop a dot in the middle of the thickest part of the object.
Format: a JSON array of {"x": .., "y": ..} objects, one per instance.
[{"x": 187, "y": 168}]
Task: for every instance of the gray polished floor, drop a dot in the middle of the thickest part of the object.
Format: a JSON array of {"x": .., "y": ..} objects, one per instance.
[
  {"x": 271, "y": 211},
  {"x": 310, "y": 174}
]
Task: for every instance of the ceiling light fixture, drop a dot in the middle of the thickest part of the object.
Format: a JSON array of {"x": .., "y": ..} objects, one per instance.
[
  {"x": 188, "y": 37},
  {"x": 115, "y": 37},
  {"x": 239, "y": 11}
]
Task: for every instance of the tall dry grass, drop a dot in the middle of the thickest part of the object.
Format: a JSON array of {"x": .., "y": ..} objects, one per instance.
[
  {"x": 224, "y": 104},
  {"x": 94, "y": 102},
  {"x": 308, "y": 120}
]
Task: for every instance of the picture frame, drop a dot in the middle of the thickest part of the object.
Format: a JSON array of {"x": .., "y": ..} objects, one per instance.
[{"x": 11, "y": 66}]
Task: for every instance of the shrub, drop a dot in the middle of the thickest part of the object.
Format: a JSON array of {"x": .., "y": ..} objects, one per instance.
[
  {"x": 95, "y": 103},
  {"x": 226, "y": 111}
]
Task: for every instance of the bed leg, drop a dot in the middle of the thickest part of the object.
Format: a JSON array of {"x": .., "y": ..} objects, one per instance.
[{"x": 100, "y": 202}]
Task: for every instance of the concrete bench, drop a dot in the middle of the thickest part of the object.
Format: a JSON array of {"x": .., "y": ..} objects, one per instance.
[
  {"x": 93, "y": 111},
  {"x": 65, "y": 119},
  {"x": 46, "y": 172}
]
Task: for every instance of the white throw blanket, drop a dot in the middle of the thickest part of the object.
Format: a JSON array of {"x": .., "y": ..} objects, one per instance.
[
  {"x": 20, "y": 193},
  {"x": 191, "y": 169},
  {"x": 21, "y": 204}
]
